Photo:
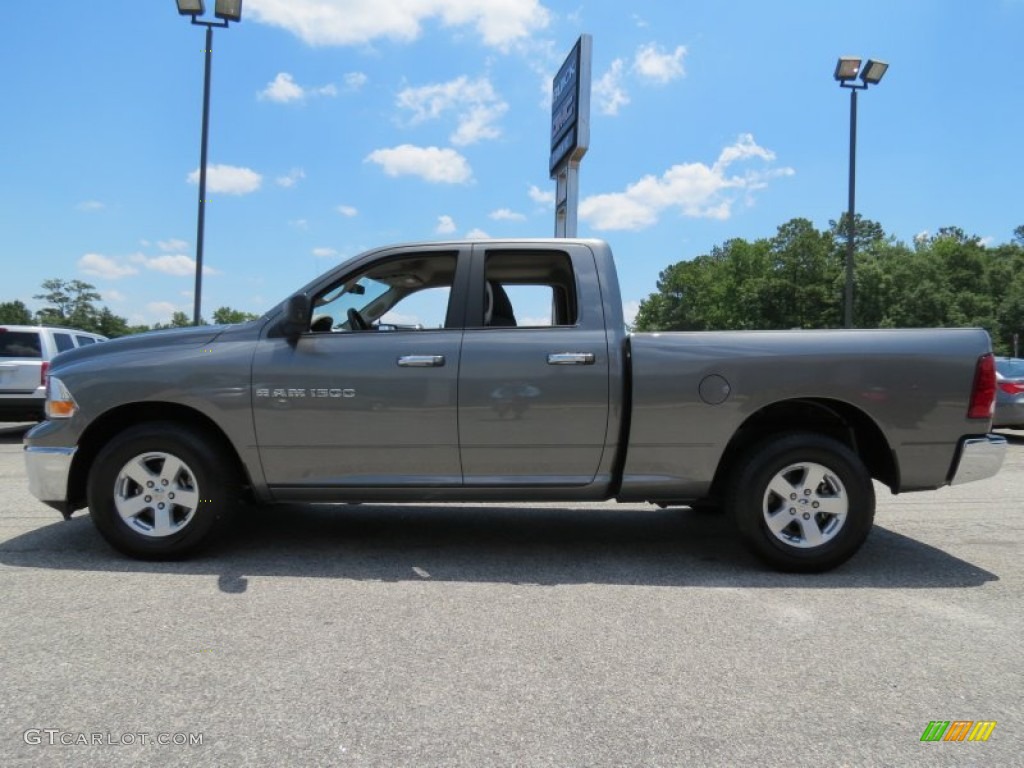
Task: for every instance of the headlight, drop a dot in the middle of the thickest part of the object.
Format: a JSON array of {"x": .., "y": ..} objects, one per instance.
[{"x": 59, "y": 402}]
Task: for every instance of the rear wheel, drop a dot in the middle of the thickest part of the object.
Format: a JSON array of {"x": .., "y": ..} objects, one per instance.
[
  {"x": 161, "y": 491},
  {"x": 802, "y": 502}
]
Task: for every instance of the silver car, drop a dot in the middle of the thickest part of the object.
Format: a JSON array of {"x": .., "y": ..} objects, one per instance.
[
  {"x": 25, "y": 355},
  {"x": 1009, "y": 393}
]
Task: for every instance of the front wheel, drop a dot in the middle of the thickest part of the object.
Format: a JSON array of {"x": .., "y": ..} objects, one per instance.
[
  {"x": 160, "y": 491},
  {"x": 802, "y": 502}
]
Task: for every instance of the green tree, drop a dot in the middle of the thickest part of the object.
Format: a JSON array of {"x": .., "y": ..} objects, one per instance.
[
  {"x": 112, "y": 326},
  {"x": 866, "y": 233},
  {"x": 789, "y": 281},
  {"x": 228, "y": 316},
  {"x": 180, "y": 320},
  {"x": 15, "y": 313},
  {"x": 71, "y": 303}
]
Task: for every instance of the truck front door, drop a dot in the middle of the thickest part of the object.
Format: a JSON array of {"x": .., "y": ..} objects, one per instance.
[{"x": 368, "y": 396}]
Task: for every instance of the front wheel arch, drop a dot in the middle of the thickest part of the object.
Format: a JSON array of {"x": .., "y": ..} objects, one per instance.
[{"x": 107, "y": 426}]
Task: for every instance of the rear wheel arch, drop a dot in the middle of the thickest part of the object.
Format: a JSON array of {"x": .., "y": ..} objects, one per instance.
[{"x": 837, "y": 420}]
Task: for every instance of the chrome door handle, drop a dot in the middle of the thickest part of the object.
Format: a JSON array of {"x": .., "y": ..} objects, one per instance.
[
  {"x": 571, "y": 358},
  {"x": 421, "y": 361}
]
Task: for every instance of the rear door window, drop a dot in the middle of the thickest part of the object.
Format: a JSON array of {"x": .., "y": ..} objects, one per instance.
[
  {"x": 20, "y": 344},
  {"x": 63, "y": 342},
  {"x": 83, "y": 340}
]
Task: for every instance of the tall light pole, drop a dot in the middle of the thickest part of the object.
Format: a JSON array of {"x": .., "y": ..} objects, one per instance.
[
  {"x": 227, "y": 11},
  {"x": 846, "y": 73}
]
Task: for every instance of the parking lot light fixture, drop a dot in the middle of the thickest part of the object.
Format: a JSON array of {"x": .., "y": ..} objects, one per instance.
[
  {"x": 873, "y": 72},
  {"x": 190, "y": 7},
  {"x": 227, "y": 11},
  {"x": 847, "y": 70}
]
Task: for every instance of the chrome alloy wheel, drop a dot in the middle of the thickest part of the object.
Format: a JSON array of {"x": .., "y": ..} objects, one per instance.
[
  {"x": 156, "y": 494},
  {"x": 805, "y": 505}
]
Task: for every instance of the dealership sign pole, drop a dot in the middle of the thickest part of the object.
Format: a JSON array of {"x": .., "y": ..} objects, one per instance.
[{"x": 570, "y": 132}]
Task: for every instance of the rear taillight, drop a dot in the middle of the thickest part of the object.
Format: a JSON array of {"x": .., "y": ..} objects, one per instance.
[
  {"x": 43, "y": 370},
  {"x": 983, "y": 394},
  {"x": 1012, "y": 387}
]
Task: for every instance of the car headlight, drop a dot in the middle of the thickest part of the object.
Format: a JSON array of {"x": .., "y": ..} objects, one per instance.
[{"x": 59, "y": 402}]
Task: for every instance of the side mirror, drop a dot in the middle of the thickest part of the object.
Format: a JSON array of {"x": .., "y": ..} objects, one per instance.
[{"x": 295, "y": 320}]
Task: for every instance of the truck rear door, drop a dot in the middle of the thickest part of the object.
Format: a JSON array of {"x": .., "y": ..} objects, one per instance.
[{"x": 534, "y": 380}]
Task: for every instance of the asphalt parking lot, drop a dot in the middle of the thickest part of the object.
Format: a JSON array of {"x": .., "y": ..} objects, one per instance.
[{"x": 494, "y": 635}]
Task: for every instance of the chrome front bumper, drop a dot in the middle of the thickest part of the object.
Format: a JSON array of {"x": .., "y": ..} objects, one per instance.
[
  {"x": 48, "y": 469},
  {"x": 980, "y": 458}
]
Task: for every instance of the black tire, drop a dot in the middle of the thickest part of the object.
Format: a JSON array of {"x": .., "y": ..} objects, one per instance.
[
  {"x": 802, "y": 502},
  {"x": 189, "y": 475}
]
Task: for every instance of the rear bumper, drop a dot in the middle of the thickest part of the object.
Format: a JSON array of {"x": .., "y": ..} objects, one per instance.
[
  {"x": 978, "y": 458},
  {"x": 48, "y": 471},
  {"x": 23, "y": 407}
]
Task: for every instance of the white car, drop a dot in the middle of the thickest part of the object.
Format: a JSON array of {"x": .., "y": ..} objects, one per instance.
[{"x": 25, "y": 355}]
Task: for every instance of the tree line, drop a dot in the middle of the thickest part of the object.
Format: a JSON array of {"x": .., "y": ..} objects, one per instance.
[
  {"x": 73, "y": 304},
  {"x": 796, "y": 280}
]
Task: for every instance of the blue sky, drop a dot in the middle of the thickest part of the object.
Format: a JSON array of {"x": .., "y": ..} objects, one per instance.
[{"x": 340, "y": 125}]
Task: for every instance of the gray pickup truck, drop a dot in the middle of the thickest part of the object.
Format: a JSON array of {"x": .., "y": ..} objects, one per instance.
[{"x": 502, "y": 371}]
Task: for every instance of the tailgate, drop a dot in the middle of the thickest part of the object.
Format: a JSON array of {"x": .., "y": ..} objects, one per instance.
[{"x": 21, "y": 358}]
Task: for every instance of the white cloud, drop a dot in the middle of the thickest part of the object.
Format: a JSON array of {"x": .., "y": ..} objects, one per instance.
[
  {"x": 610, "y": 93},
  {"x": 357, "y": 22},
  {"x": 477, "y": 234},
  {"x": 176, "y": 265},
  {"x": 347, "y": 211},
  {"x": 694, "y": 189},
  {"x": 90, "y": 206},
  {"x": 445, "y": 225},
  {"x": 299, "y": 223},
  {"x": 505, "y": 214},
  {"x": 324, "y": 253},
  {"x": 283, "y": 89},
  {"x": 541, "y": 196},
  {"x": 478, "y": 124},
  {"x": 537, "y": 321},
  {"x": 173, "y": 244},
  {"x": 97, "y": 265},
  {"x": 444, "y": 166},
  {"x": 629, "y": 311},
  {"x": 354, "y": 81},
  {"x": 228, "y": 179},
  {"x": 161, "y": 311},
  {"x": 651, "y": 63},
  {"x": 113, "y": 295},
  {"x": 476, "y": 104},
  {"x": 293, "y": 177}
]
